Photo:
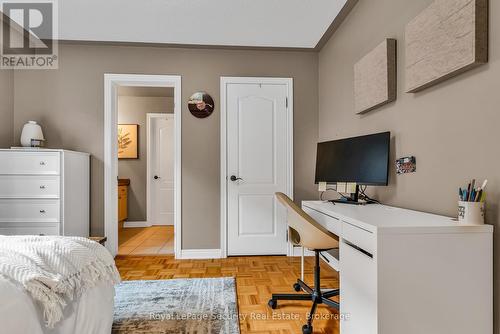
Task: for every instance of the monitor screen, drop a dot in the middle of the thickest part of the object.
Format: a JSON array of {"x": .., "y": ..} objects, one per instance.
[{"x": 364, "y": 160}]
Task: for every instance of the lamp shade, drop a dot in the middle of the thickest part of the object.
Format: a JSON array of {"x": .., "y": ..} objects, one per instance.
[{"x": 31, "y": 130}]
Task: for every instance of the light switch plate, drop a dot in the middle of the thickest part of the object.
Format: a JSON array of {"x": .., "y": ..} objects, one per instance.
[
  {"x": 341, "y": 187},
  {"x": 322, "y": 186},
  {"x": 351, "y": 187}
]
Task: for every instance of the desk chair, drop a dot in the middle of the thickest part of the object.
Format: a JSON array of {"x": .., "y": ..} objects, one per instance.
[{"x": 307, "y": 233}]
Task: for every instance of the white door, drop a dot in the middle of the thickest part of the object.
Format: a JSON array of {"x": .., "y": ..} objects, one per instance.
[
  {"x": 162, "y": 169},
  {"x": 258, "y": 165}
]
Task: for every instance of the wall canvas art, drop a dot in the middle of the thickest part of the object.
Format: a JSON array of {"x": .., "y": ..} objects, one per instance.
[
  {"x": 127, "y": 141},
  {"x": 375, "y": 77},
  {"x": 449, "y": 37}
]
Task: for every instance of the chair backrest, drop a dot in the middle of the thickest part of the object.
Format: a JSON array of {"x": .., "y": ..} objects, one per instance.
[{"x": 311, "y": 234}]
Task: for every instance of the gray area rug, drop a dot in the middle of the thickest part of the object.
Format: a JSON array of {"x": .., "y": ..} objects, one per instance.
[{"x": 177, "y": 306}]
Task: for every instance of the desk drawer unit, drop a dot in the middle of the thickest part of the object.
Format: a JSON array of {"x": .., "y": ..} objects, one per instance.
[
  {"x": 359, "y": 237},
  {"x": 29, "y": 163},
  {"x": 16, "y": 186},
  {"x": 358, "y": 290}
]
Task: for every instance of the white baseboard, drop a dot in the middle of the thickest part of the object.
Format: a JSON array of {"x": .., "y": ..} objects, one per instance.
[
  {"x": 200, "y": 254},
  {"x": 135, "y": 224}
]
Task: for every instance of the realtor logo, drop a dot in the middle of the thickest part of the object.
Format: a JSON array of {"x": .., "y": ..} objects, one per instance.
[{"x": 29, "y": 34}]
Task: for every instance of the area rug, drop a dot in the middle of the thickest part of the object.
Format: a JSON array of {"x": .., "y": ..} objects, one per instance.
[{"x": 177, "y": 306}]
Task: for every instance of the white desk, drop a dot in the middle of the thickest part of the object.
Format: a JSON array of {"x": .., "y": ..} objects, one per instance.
[{"x": 408, "y": 272}]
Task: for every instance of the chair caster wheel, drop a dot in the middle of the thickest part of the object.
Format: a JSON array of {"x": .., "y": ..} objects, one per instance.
[
  {"x": 306, "y": 329},
  {"x": 272, "y": 303},
  {"x": 297, "y": 287}
]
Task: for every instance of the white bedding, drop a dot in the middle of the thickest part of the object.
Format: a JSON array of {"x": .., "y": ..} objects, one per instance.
[{"x": 92, "y": 313}]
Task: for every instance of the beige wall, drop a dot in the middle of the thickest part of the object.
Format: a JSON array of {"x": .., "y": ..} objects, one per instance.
[
  {"x": 452, "y": 128},
  {"x": 133, "y": 110},
  {"x": 6, "y": 108},
  {"x": 69, "y": 104}
]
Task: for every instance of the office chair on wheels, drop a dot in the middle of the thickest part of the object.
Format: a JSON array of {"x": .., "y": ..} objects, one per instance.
[{"x": 306, "y": 232}]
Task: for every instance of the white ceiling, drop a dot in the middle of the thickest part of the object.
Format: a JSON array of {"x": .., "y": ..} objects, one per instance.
[{"x": 254, "y": 23}]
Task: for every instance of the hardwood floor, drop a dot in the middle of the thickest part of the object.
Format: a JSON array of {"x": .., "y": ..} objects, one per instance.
[
  {"x": 257, "y": 278},
  {"x": 154, "y": 240}
]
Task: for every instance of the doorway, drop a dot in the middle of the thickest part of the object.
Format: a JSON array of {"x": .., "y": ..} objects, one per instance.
[
  {"x": 151, "y": 147},
  {"x": 256, "y": 162}
]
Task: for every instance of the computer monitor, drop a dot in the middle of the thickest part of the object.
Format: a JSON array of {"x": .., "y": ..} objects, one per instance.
[{"x": 364, "y": 160}]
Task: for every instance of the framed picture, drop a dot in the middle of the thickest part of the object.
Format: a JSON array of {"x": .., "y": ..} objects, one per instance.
[
  {"x": 201, "y": 105},
  {"x": 127, "y": 141}
]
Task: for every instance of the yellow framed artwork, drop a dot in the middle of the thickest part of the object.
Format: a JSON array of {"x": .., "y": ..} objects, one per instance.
[{"x": 127, "y": 141}]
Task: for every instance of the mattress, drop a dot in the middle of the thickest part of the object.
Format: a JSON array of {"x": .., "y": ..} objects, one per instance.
[{"x": 91, "y": 313}]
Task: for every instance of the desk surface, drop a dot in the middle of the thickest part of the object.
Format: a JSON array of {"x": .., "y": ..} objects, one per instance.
[{"x": 378, "y": 217}]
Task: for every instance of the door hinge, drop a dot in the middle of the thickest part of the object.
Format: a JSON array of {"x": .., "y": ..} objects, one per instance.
[{"x": 286, "y": 102}]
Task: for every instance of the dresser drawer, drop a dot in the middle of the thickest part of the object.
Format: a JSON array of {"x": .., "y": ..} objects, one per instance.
[
  {"x": 29, "y": 229},
  {"x": 22, "y": 163},
  {"x": 16, "y": 186},
  {"x": 38, "y": 210}
]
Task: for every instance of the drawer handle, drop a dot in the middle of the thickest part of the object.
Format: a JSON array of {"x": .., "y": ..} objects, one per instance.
[
  {"x": 42, "y": 211},
  {"x": 42, "y": 163},
  {"x": 42, "y": 187},
  {"x": 359, "y": 249}
]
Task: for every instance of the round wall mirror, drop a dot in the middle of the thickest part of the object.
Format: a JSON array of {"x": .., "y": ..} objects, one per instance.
[{"x": 201, "y": 105}]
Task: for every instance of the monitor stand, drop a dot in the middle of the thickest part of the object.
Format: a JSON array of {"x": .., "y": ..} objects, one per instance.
[
  {"x": 354, "y": 200},
  {"x": 347, "y": 201}
]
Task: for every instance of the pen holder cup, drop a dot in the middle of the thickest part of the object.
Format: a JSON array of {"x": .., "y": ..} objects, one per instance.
[{"x": 471, "y": 212}]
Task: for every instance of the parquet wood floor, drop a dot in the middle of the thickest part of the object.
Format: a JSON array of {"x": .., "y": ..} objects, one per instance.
[{"x": 257, "y": 278}]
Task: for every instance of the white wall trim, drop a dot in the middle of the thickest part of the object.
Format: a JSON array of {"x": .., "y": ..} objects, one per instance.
[
  {"x": 127, "y": 224},
  {"x": 201, "y": 254},
  {"x": 224, "y": 81},
  {"x": 149, "y": 117},
  {"x": 111, "y": 82}
]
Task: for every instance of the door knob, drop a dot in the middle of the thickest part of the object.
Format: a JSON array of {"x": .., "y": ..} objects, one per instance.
[
  {"x": 156, "y": 177},
  {"x": 234, "y": 178}
]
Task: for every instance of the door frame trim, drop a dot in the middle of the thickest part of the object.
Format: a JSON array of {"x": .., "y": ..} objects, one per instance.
[
  {"x": 111, "y": 83},
  {"x": 224, "y": 81},
  {"x": 149, "y": 118}
]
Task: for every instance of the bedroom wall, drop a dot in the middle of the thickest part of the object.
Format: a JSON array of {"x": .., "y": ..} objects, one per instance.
[
  {"x": 133, "y": 110},
  {"x": 6, "y": 108},
  {"x": 69, "y": 104},
  {"x": 451, "y": 128}
]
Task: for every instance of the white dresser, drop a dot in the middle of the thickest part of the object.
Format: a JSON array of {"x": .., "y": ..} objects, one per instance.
[
  {"x": 403, "y": 271},
  {"x": 44, "y": 192}
]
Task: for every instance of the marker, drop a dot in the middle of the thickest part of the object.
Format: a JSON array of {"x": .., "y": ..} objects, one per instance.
[{"x": 478, "y": 195}]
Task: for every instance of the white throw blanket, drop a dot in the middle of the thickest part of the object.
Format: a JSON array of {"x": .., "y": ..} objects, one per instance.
[{"x": 55, "y": 270}]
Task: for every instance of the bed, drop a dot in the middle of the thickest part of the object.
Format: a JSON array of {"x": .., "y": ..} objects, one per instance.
[{"x": 90, "y": 312}]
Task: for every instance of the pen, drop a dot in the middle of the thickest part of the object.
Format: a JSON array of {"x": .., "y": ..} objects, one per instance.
[{"x": 472, "y": 190}]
